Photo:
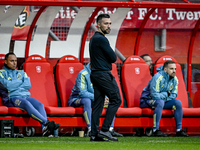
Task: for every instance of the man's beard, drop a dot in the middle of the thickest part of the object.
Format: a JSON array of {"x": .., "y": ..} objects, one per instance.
[
  {"x": 172, "y": 76},
  {"x": 104, "y": 31}
]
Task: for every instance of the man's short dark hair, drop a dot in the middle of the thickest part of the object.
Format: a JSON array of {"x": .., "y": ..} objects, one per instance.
[
  {"x": 142, "y": 56},
  {"x": 99, "y": 18},
  {"x": 167, "y": 63},
  {"x": 8, "y": 54}
]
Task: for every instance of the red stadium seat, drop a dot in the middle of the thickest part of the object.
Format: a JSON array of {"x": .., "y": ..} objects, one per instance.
[
  {"x": 66, "y": 72},
  {"x": 196, "y": 94},
  {"x": 182, "y": 93},
  {"x": 115, "y": 74},
  {"x": 2, "y": 59},
  {"x": 10, "y": 110},
  {"x": 43, "y": 87},
  {"x": 135, "y": 76},
  {"x": 123, "y": 112},
  {"x": 3, "y": 109}
]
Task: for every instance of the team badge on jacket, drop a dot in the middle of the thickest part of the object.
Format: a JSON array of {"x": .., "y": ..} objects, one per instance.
[
  {"x": 171, "y": 87},
  {"x": 19, "y": 76}
]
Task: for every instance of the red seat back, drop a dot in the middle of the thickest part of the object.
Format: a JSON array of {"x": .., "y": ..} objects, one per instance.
[
  {"x": 3, "y": 109},
  {"x": 42, "y": 80},
  {"x": 195, "y": 94},
  {"x": 182, "y": 93},
  {"x": 115, "y": 74},
  {"x": 1, "y": 102},
  {"x": 67, "y": 70},
  {"x": 135, "y": 75},
  {"x": 2, "y": 59}
]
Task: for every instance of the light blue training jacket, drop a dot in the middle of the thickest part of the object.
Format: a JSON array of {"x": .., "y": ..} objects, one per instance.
[
  {"x": 83, "y": 87},
  {"x": 16, "y": 81},
  {"x": 158, "y": 86}
]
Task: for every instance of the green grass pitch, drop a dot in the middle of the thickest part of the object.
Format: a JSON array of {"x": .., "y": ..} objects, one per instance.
[{"x": 78, "y": 143}]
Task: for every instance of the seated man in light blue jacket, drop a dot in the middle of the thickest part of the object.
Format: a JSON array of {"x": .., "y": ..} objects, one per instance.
[
  {"x": 83, "y": 95},
  {"x": 161, "y": 92},
  {"x": 18, "y": 84}
]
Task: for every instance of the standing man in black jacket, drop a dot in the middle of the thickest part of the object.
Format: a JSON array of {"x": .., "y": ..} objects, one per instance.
[{"x": 102, "y": 56}]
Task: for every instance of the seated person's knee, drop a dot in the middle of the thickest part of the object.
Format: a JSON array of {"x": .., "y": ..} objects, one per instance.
[
  {"x": 160, "y": 103},
  {"x": 178, "y": 104},
  {"x": 86, "y": 102}
]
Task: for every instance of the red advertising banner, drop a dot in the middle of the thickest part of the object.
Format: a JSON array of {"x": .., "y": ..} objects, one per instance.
[
  {"x": 20, "y": 30},
  {"x": 162, "y": 18},
  {"x": 169, "y": 18}
]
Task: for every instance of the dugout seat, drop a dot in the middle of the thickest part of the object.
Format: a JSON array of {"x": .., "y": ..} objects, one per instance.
[
  {"x": 2, "y": 59},
  {"x": 123, "y": 112},
  {"x": 182, "y": 93},
  {"x": 43, "y": 87},
  {"x": 66, "y": 71},
  {"x": 9, "y": 110},
  {"x": 189, "y": 114},
  {"x": 195, "y": 90},
  {"x": 3, "y": 109},
  {"x": 13, "y": 111},
  {"x": 135, "y": 75},
  {"x": 116, "y": 75}
]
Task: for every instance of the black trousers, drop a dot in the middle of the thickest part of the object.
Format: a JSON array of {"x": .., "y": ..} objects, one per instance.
[{"x": 104, "y": 84}]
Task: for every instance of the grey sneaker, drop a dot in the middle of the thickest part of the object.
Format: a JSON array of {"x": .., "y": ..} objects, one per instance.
[
  {"x": 113, "y": 133},
  {"x": 106, "y": 135}
]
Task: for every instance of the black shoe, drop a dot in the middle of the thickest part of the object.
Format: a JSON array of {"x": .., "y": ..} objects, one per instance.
[
  {"x": 47, "y": 123},
  {"x": 140, "y": 131},
  {"x": 87, "y": 133},
  {"x": 113, "y": 133},
  {"x": 107, "y": 135},
  {"x": 48, "y": 129},
  {"x": 181, "y": 133},
  {"x": 56, "y": 125},
  {"x": 45, "y": 129},
  {"x": 97, "y": 138},
  {"x": 159, "y": 133}
]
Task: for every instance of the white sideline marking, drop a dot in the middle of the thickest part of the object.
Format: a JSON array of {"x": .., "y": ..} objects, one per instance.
[
  {"x": 164, "y": 141},
  {"x": 29, "y": 141},
  {"x": 151, "y": 141}
]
